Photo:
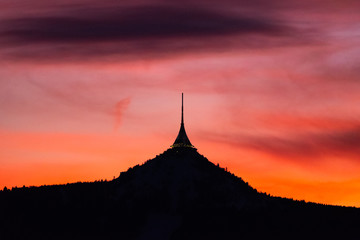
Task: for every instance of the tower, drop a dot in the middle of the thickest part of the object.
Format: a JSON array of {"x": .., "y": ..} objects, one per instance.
[{"x": 182, "y": 140}]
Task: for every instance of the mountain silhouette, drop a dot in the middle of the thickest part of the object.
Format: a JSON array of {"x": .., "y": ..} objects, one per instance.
[{"x": 177, "y": 195}]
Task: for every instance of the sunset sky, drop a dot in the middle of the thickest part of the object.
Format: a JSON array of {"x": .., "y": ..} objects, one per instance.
[{"x": 272, "y": 90}]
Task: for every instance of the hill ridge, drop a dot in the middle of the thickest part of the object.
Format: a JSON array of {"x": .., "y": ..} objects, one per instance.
[{"x": 179, "y": 194}]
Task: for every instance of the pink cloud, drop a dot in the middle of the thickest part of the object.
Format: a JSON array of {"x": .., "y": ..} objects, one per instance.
[{"x": 120, "y": 108}]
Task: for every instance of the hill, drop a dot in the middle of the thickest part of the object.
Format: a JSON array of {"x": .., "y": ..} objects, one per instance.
[{"x": 177, "y": 195}]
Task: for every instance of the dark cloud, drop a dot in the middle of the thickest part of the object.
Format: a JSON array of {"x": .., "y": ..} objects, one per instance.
[
  {"x": 137, "y": 30},
  {"x": 137, "y": 23},
  {"x": 308, "y": 147}
]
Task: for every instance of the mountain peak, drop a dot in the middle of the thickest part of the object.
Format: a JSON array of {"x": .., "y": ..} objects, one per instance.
[
  {"x": 179, "y": 194},
  {"x": 182, "y": 177}
]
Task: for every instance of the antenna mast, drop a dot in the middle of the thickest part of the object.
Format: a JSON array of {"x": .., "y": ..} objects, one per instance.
[
  {"x": 182, "y": 140},
  {"x": 182, "y": 108}
]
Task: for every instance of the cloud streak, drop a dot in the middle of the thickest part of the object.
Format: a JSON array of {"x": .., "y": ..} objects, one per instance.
[
  {"x": 300, "y": 147},
  {"x": 132, "y": 30},
  {"x": 120, "y": 107},
  {"x": 138, "y": 23}
]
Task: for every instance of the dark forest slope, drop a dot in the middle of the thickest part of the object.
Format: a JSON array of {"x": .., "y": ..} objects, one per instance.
[{"x": 177, "y": 195}]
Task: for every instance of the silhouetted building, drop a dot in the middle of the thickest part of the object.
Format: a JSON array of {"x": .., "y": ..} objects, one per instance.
[{"x": 182, "y": 139}]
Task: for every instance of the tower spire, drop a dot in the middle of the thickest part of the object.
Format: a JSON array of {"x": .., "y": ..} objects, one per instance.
[
  {"x": 182, "y": 108},
  {"x": 182, "y": 139}
]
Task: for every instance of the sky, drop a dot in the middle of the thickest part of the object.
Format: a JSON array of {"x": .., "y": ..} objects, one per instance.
[{"x": 271, "y": 90}]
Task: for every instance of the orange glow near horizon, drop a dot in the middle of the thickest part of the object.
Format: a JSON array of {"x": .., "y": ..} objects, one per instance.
[{"x": 46, "y": 159}]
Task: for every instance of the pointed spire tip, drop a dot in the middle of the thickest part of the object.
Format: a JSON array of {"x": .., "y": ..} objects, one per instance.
[
  {"x": 182, "y": 139},
  {"x": 182, "y": 108}
]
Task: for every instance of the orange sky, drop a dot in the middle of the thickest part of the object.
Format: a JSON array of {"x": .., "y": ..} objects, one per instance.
[{"x": 271, "y": 91}]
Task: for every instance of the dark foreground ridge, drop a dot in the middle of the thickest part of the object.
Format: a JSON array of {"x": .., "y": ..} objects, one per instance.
[{"x": 177, "y": 195}]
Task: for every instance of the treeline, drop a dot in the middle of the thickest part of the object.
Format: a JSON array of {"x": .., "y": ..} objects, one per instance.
[{"x": 177, "y": 195}]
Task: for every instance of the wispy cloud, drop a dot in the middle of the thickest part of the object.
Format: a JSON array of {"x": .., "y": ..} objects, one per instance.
[
  {"x": 120, "y": 107},
  {"x": 157, "y": 29},
  {"x": 143, "y": 23},
  {"x": 308, "y": 147}
]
